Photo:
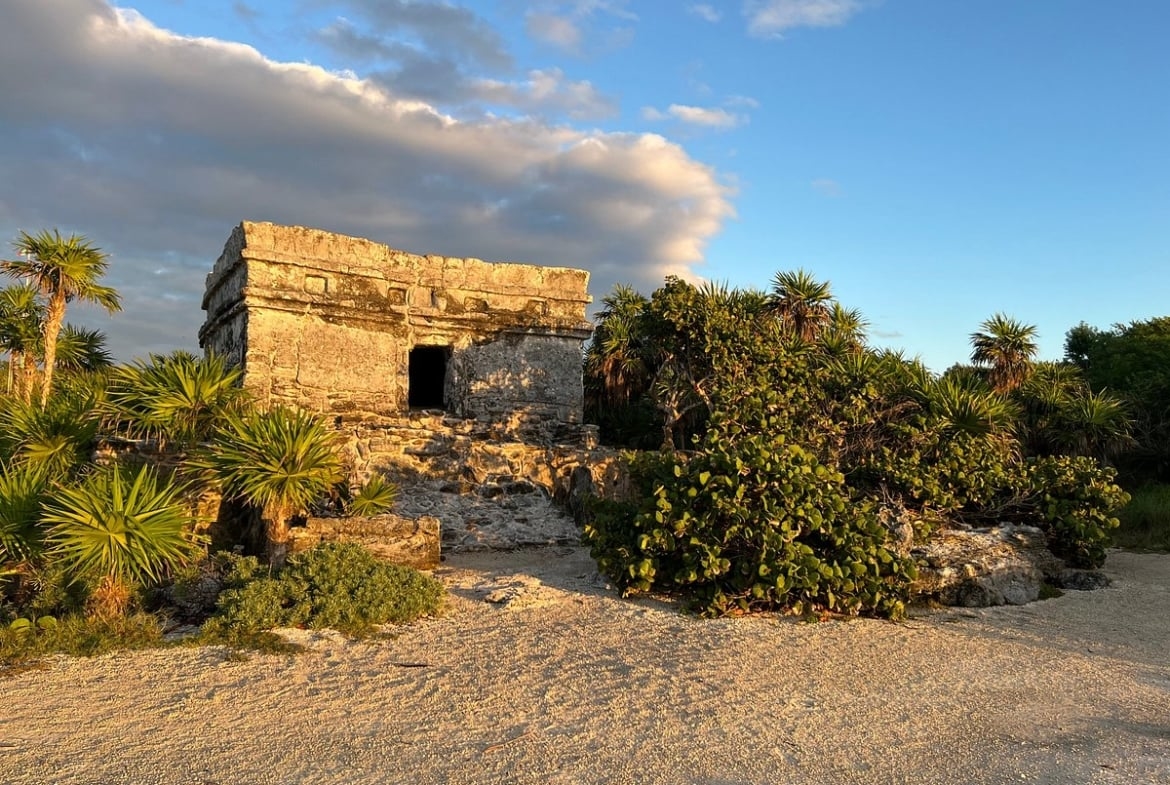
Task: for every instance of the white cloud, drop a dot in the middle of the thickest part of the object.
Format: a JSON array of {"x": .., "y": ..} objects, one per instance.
[
  {"x": 559, "y": 31},
  {"x": 770, "y": 18},
  {"x": 548, "y": 90},
  {"x": 156, "y": 145},
  {"x": 743, "y": 101},
  {"x": 707, "y": 117},
  {"x": 705, "y": 12}
]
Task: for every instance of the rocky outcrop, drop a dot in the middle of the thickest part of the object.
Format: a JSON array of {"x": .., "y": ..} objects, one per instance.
[{"x": 1003, "y": 565}]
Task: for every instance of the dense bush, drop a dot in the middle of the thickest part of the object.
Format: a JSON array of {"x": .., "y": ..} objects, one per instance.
[
  {"x": 1075, "y": 499},
  {"x": 336, "y": 585},
  {"x": 749, "y": 521}
]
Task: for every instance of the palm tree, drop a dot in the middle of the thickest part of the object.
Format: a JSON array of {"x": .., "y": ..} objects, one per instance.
[
  {"x": 616, "y": 362},
  {"x": 279, "y": 461},
  {"x": 802, "y": 303},
  {"x": 21, "y": 317},
  {"x": 62, "y": 269},
  {"x": 1007, "y": 348}
]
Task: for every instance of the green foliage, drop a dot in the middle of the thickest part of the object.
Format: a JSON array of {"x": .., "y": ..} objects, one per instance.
[
  {"x": 118, "y": 524},
  {"x": 280, "y": 460},
  {"x": 1145, "y": 521},
  {"x": 63, "y": 270},
  {"x": 26, "y": 645},
  {"x": 1076, "y": 500},
  {"x": 177, "y": 399},
  {"x": 1132, "y": 362},
  {"x": 752, "y": 521},
  {"x": 375, "y": 497},
  {"x": 22, "y": 492},
  {"x": 57, "y": 438},
  {"x": 1006, "y": 347},
  {"x": 335, "y": 585}
]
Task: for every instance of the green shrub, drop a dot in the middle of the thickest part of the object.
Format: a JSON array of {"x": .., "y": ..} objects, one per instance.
[
  {"x": 752, "y": 521},
  {"x": 1076, "y": 499},
  {"x": 335, "y": 585}
]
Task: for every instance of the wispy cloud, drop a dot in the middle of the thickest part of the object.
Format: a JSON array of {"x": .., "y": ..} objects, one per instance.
[
  {"x": 567, "y": 24},
  {"x": 155, "y": 145},
  {"x": 826, "y": 187},
  {"x": 559, "y": 31},
  {"x": 704, "y": 116},
  {"x": 771, "y": 18},
  {"x": 705, "y": 12}
]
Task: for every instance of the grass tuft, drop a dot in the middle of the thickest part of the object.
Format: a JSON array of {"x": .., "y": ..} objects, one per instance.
[
  {"x": 76, "y": 636},
  {"x": 1145, "y": 521}
]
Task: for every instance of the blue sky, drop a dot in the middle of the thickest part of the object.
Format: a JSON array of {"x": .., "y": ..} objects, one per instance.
[{"x": 936, "y": 160}]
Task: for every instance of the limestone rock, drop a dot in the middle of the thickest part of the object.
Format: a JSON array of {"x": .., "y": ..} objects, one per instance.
[
  {"x": 1004, "y": 565},
  {"x": 411, "y": 542}
]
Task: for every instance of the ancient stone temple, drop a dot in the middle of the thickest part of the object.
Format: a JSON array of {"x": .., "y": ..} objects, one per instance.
[{"x": 365, "y": 333}]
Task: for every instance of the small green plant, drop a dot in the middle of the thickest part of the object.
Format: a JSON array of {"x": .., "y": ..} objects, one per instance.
[
  {"x": 375, "y": 497},
  {"x": 119, "y": 529},
  {"x": 335, "y": 585}
]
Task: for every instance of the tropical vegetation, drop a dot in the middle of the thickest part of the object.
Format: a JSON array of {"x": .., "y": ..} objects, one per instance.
[
  {"x": 104, "y": 469},
  {"x": 791, "y": 450}
]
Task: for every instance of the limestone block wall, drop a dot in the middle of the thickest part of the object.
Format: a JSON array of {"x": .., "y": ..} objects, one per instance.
[{"x": 328, "y": 322}]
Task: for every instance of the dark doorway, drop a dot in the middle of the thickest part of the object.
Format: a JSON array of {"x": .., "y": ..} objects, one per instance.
[{"x": 428, "y": 372}]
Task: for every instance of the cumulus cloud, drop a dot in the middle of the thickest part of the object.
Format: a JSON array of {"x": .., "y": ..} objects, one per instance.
[
  {"x": 155, "y": 145},
  {"x": 705, "y": 12},
  {"x": 706, "y": 117},
  {"x": 771, "y": 18}
]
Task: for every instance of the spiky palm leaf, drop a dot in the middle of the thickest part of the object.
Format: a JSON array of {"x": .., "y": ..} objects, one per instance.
[
  {"x": 124, "y": 527},
  {"x": 616, "y": 364},
  {"x": 375, "y": 497},
  {"x": 802, "y": 303},
  {"x": 1094, "y": 424},
  {"x": 57, "y": 439},
  {"x": 22, "y": 492},
  {"x": 21, "y": 317},
  {"x": 279, "y": 461},
  {"x": 81, "y": 349},
  {"x": 957, "y": 408},
  {"x": 177, "y": 398}
]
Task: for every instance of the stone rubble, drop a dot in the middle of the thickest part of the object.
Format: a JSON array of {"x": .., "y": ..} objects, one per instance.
[{"x": 502, "y": 513}]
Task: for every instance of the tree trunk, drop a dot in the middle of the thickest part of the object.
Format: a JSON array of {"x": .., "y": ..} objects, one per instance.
[
  {"x": 28, "y": 376},
  {"x": 276, "y": 534},
  {"x": 54, "y": 317}
]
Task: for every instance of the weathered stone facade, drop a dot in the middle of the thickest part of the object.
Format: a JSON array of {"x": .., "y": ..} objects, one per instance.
[{"x": 351, "y": 328}]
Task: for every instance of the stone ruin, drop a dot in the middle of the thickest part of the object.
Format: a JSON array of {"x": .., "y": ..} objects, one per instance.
[
  {"x": 350, "y": 328},
  {"x": 446, "y": 375}
]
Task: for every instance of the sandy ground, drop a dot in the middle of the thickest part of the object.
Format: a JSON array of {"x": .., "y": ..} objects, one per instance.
[{"x": 566, "y": 683}]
